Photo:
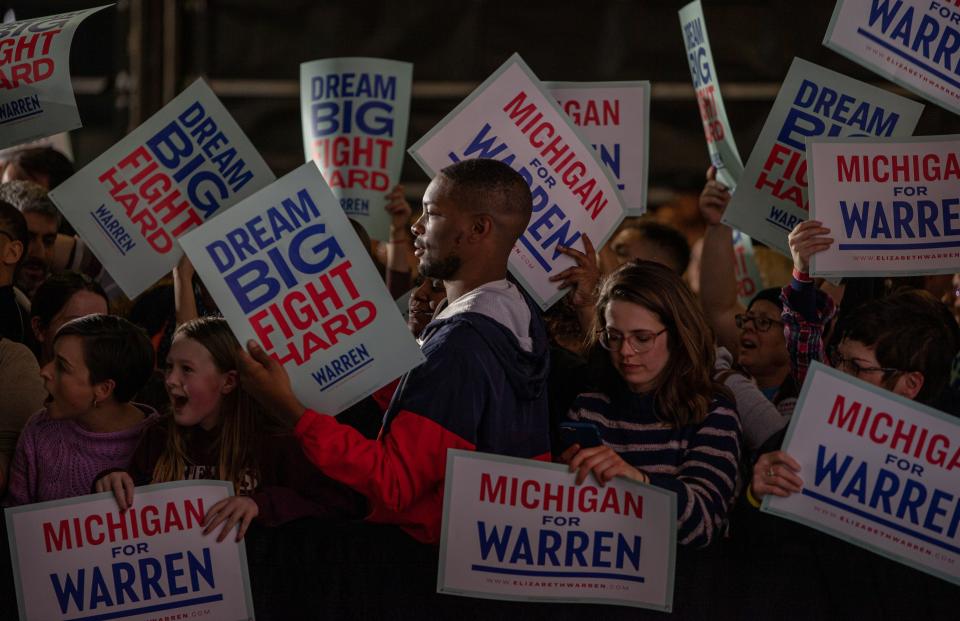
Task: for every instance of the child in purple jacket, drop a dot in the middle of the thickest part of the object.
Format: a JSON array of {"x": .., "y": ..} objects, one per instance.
[{"x": 88, "y": 423}]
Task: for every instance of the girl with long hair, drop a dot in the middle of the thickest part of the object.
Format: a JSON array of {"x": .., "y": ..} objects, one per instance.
[
  {"x": 662, "y": 416},
  {"x": 215, "y": 430}
]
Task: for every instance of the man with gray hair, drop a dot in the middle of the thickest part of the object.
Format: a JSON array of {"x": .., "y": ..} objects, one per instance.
[{"x": 43, "y": 222}]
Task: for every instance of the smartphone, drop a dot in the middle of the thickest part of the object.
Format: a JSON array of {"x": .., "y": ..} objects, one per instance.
[{"x": 587, "y": 435}]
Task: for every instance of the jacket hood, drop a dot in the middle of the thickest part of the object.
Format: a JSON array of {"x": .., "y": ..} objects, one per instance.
[{"x": 525, "y": 370}]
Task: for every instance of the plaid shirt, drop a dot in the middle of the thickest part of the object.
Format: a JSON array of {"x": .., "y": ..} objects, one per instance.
[{"x": 806, "y": 313}]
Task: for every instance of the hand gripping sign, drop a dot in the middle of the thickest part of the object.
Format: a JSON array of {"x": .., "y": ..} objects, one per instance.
[
  {"x": 518, "y": 529},
  {"x": 287, "y": 269},
  {"x": 772, "y": 195},
  {"x": 511, "y": 117},
  {"x": 36, "y": 95},
  {"x": 355, "y": 114},
  {"x": 878, "y": 470},
  {"x": 913, "y": 43},
  {"x": 83, "y": 559},
  {"x": 615, "y": 118},
  {"x": 892, "y": 205},
  {"x": 184, "y": 165},
  {"x": 716, "y": 126}
]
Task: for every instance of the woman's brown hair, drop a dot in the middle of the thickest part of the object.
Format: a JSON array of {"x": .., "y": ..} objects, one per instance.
[
  {"x": 242, "y": 420},
  {"x": 685, "y": 387}
]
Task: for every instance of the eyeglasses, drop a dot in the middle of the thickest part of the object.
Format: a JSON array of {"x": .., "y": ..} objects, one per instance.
[
  {"x": 640, "y": 342},
  {"x": 12, "y": 238},
  {"x": 854, "y": 368},
  {"x": 761, "y": 324}
]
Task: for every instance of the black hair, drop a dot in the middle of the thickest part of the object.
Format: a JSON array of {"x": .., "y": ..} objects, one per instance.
[
  {"x": 493, "y": 185},
  {"x": 909, "y": 331},
  {"x": 771, "y": 295},
  {"x": 666, "y": 237},
  {"x": 113, "y": 349},
  {"x": 44, "y": 161},
  {"x": 56, "y": 291}
]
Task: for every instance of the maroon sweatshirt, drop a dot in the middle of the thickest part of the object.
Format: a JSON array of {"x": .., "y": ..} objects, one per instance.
[{"x": 285, "y": 486}]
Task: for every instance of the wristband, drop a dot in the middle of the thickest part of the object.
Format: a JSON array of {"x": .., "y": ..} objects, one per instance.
[
  {"x": 801, "y": 276},
  {"x": 752, "y": 499}
]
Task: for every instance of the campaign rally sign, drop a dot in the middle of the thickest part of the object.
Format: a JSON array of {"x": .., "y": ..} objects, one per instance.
[
  {"x": 615, "y": 118},
  {"x": 892, "y": 205},
  {"x": 745, "y": 268},
  {"x": 879, "y": 471},
  {"x": 511, "y": 117},
  {"x": 36, "y": 95},
  {"x": 772, "y": 196},
  {"x": 184, "y": 165},
  {"x": 518, "y": 529},
  {"x": 83, "y": 559},
  {"x": 716, "y": 126},
  {"x": 287, "y": 269},
  {"x": 913, "y": 43},
  {"x": 355, "y": 113}
]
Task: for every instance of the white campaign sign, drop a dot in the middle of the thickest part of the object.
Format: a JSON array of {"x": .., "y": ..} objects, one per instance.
[
  {"x": 771, "y": 198},
  {"x": 81, "y": 558},
  {"x": 287, "y": 269},
  {"x": 615, "y": 118},
  {"x": 879, "y": 471},
  {"x": 892, "y": 205},
  {"x": 184, "y": 165},
  {"x": 713, "y": 114},
  {"x": 36, "y": 95},
  {"x": 511, "y": 117},
  {"x": 519, "y": 529},
  {"x": 912, "y": 43},
  {"x": 354, "y": 114}
]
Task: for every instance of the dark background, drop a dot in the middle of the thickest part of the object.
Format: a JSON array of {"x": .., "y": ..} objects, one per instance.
[{"x": 127, "y": 61}]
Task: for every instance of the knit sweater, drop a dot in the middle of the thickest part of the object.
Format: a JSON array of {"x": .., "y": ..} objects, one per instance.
[
  {"x": 60, "y": 459},
  {"x": 23, "y": 393},
  {"x": 697, "y": 462}
]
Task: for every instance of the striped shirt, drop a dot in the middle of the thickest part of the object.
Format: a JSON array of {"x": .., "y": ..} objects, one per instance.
[{"x": 697, "y": 462}]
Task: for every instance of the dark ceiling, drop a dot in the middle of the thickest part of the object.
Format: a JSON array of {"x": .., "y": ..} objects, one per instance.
[{"x": 133, "y": 57}]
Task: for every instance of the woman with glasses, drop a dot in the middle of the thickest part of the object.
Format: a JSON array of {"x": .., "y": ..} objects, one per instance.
[
  {"x": 662, "y": 416},
  {"x": 905, "y": 343}
]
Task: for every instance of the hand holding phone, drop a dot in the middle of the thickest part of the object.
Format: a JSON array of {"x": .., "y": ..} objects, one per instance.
[{"x": 587, "y": 435}]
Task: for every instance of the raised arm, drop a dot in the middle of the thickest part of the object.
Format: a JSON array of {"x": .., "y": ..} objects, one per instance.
[{"x": 718, "y": 280}]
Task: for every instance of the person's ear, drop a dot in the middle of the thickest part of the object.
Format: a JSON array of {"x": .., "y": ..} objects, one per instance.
[
  {"x": 909, "y": 384},
  {"x": 229, "y": 383},
  {"x": 37, "y": 330},
  {"x": 102, "y": 391},
  {"x": 482, "y": 226},
  {"x": 12, "y": 252}
]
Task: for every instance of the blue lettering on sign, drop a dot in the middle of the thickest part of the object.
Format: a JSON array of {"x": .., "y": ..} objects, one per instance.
[
  {"x": 929, "y": 45},
  {"x": 332, "y": 372},
  {"x": 197, "y": 153},
  {"x": 814, "y": 105},
  {"x": 901, "y": 220},
  {"x": 255, "y": 282},
  {"x": 549, "y": 225},
  {"x": 610, "y": 157},
  {"x": 782, "y": 218},
  {"x": 126, "y": 582},
  {"x": 571, "y": 550},
  {"x": 19, "y": 109},
  {"x": 695, "y": 40},
  {"x": 902, "y": 503},
  {"x": 334, "y": 110}
]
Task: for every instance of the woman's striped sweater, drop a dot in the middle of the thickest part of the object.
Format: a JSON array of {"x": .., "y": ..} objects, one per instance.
[{"x": 698, "y": 462}]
